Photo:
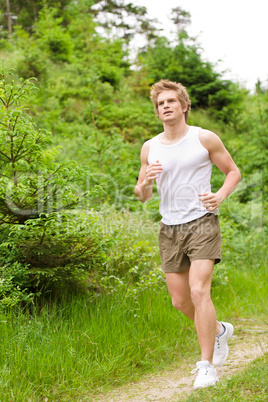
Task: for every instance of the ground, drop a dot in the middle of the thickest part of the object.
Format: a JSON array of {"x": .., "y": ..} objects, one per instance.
[{"x": 248, "y": 342}]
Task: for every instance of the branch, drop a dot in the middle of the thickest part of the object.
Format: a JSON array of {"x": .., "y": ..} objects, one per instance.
[
  {"x": 18, "y": 97},
  {"x": 47, "y": 179},
  {"x": 3, "y": 175},
  {"x": 8, "y": 158},
  {"x": 10, "y": 96},
  {"x": 20, "y": 146},
  {"x": 43, "y": 236},
  {"x": 15, "y": 122}
]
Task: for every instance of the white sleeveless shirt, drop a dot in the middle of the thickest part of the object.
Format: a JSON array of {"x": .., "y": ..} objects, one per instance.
[{"x": 186, "y": 173}]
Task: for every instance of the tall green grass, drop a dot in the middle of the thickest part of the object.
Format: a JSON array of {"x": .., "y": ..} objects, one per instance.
[
  {"x": 243, "y": 289},
  {"x": 244, "y": 294},
  {"x": 71, "y": 350},
  {"x": 248, "y": 385},
  {"x": 74, "y": 349},
  {"x": 80, "y": 346}
]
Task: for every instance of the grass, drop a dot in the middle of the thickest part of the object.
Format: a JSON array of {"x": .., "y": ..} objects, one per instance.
[
  {"x": 74, "y": 350},
  {"x": 77, "y": 349},
  {"x": 244, "y": 295},
  {"x": 80, "y": 347},
  {"x": 249, "y": 385}
]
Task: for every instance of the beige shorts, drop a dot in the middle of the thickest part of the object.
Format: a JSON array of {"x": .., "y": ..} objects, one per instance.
[{"x": 179, "y": 245}]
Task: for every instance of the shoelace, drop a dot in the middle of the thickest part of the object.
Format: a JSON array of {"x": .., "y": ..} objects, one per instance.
[
  {"x": 198, "y": 368},
  {"x": 218, "y": 343}
]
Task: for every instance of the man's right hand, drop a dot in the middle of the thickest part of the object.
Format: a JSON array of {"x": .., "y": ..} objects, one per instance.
[
  {"x": 151, "y": 173},
  {"x": 148, "y": 174}
]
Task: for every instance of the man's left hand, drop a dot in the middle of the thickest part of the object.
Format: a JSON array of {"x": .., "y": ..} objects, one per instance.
[{"x": 211, "y": 201}]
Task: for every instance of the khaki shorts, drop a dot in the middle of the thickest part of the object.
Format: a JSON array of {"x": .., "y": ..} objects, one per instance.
[{"x": 179, "y": 245}]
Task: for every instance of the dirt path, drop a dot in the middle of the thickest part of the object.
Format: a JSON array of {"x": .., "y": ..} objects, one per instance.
[{"x": 249, "y": 341}]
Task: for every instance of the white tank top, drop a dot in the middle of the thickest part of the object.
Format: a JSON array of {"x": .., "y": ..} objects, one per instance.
[{"x": 186, "y": 173}]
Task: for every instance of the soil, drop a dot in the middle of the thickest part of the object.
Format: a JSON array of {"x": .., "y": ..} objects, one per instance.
[{"x": 249, "y": 342}]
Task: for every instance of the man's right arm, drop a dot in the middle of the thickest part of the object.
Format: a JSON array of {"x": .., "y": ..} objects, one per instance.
[{"x": 148, "y": 174}]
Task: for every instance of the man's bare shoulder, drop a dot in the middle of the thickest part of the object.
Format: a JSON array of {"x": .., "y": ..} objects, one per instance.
[
  {"x": 207, "y": 134},
  {"x": 209, "y": 139},
  {"x": 146, "y": 147},
  {"x": 145, "y": 151},
  {"x": 146, "y": 144}
]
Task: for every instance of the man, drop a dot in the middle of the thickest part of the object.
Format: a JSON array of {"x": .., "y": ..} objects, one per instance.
[{"x": 180, "y": 160}]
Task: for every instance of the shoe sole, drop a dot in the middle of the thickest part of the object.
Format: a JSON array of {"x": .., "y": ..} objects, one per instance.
[{"x": 209, "y": 385}]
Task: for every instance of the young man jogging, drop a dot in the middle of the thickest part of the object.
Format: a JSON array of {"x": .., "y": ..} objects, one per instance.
[{"x": 180, "y": 160}]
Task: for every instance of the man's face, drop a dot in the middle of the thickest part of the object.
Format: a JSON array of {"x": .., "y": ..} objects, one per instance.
[{"x": 169, "y": 106}]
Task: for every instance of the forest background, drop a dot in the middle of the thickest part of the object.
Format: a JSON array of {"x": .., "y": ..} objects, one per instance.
[{"x": 74, "y": 113}]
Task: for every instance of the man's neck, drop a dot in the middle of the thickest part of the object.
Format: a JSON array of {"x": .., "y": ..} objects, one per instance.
[{"x": 174, "y": 132}]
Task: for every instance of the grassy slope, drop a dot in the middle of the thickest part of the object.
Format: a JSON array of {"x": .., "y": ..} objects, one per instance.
[
  {"x": 248, "y": 385},
  {"x": 75, "y": 349},
  {"x": 78, "y": 349}
]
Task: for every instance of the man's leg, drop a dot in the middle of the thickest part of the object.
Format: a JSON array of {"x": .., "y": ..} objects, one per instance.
[
  {"x": 190, "y": 293},
  {"x": 200, "y": 277},
  {"x": 180, "y": 292}
]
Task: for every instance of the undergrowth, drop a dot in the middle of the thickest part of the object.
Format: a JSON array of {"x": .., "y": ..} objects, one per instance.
[
  {"x": 70, "y": 350},
  {"x": 248, "y": 385}
]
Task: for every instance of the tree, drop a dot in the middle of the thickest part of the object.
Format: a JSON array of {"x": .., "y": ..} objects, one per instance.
[
  {"x": 124, "y": 20},
  {"x": 38, "y": 230},
  {"x": 31, "y": 182},
  {"x": 181, "y": 19},
  {"x": 9, "y": 24},
  {"x": 182, "y": 62},
  {"x": 25, "y": 13}
]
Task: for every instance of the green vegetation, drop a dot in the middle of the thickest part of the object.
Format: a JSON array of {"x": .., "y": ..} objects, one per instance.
[
  {"x": 69, "y": 351},
  {"x": 82, "y": 298},
  {"x": 80, "y": 346},
  {"x": 250, "y": 385}
]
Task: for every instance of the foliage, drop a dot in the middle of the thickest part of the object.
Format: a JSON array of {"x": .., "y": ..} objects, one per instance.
[
  {"x": 56, "y": 249},
  {"x": 248, "y": 385},
  {"x": 69, "y": 220},
  {"x": 26, "y": 13},
  {"x": 47, "y": 244},
  {"x": 14, "y": 284},
  {"x": 121, "y": 19},
  {"x": 34, "y": 191},
  {"x": 52, "y": 245},
  {"x": 70, "y": 351},
  {"x": 52, "y": 37},
  {"x": 83, "y": 345},
  {"x": 93, "y": 105},
  {"x": 253, "y": 145},
  {"x": 183, "y": 63},
  {"x": 31, "y": 182}
]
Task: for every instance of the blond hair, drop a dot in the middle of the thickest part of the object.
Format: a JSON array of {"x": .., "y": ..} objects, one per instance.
[{"x": 167, "y": 85}]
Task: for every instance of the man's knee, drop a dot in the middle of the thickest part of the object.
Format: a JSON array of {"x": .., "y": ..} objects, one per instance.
[
  {"x": 199, "y": 295},
  {"x": 180, "y": 304}
]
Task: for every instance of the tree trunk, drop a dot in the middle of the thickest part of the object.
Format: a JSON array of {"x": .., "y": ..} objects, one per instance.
[
  {"x": 9, "y": 24},
  {"x": 34, "y": 11}
]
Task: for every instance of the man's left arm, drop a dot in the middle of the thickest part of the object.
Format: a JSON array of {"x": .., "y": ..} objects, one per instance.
[{"x": 223, "y": 160}]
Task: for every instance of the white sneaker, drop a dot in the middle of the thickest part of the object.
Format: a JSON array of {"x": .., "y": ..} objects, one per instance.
[
  {"x": 221, "y": 349},
  {"x": 206, "y": 376}
]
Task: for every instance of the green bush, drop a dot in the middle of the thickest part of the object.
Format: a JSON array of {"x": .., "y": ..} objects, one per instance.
[
  {"x": 14, "y": 283},
  {"x": 52, "y": 37},
  {"x": 49, "y": 233}
]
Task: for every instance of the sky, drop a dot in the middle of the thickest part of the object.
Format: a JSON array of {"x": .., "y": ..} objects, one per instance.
[{"x": 233, "y": 31}]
